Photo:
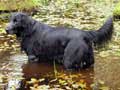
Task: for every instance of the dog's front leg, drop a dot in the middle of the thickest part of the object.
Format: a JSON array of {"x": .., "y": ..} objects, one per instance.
[{"x": 31, "y": 56}]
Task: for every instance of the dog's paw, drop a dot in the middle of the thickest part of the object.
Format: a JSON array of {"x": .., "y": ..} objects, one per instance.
[
  {"x": 69, "y": 69},
  {"x": 32, "y": 58}
]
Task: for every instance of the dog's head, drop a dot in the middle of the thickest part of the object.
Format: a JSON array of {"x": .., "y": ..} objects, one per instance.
[{"x": 18, "y": 22}]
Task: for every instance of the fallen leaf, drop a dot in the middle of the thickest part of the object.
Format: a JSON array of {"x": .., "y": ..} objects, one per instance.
[
  {"x": 41, "y": 80},
  {"x": 104, "y": 88}
]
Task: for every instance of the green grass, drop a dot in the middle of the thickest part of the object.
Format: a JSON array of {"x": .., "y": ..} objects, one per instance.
[
  {"x": 116, "y": 11},
  {"x": 18, "y": 4}
]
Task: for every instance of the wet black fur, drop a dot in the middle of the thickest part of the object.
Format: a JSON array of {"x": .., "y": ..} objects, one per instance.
[{"x": 41, "y": 41}]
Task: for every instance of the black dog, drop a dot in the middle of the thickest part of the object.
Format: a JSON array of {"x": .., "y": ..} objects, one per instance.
[{"x": 41, "y": 41}]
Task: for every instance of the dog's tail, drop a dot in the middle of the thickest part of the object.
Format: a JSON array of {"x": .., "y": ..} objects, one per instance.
[{"x": 104, "y": 34}]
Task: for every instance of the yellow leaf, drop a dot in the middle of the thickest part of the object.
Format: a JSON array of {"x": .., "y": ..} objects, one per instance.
[
  {"x": 32, "y": 88},
  {"x": 92, "y": 85},
  {"x": 41, "y": 80},
  {"x": 75, "y": 86},
  {"x": 82, "y": 81},
  {"x": 104, "y": 88},
  {"x": 53, "y": 80},
  {"x": 13, "y": 88},
  {"x": 34, "y": 80},
  {"x": 62, "y": 82},
  {"x": 101, "y": 82},
  {"x": 35, "y": 85},
  {"x": 67, "y": 87}
]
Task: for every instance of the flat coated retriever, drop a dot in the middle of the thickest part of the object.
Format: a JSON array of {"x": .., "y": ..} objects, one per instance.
[{"x": 41, "y": 41}]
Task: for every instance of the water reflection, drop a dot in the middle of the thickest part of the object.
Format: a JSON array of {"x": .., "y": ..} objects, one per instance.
[
  {"x": 36, "y": 69},
  {"x": 46, "y": 70},
  {"x": 15, "y": 67},
  {"x": 11, "y": 71}
]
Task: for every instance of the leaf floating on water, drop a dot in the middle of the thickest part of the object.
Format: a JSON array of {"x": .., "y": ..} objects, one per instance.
[
  {"x": 56, "y": 89},
  {"x": 74, "y": 76},
  {"x": 35, "y": 85},
  {"x": 82, "y": 81},
  {"x": 43, "y": 87},
  {"x": 101, "y": 82},
  {"x": 54, "y": 80},
  {"x": 67, "y": 87},
  {"x": 75, "y": 86},
  {"x": 104, "y": 54},
  {"x": 41, "y": 80},
  {"x": 81, "y": 84},
  {"x": 79, "y": 74},
  {"x": 1, "y": 50},
  {"x": 32, "y": 88},
  {"x": 11, "y": 40},
  {"x": 13, "y": 88},
  {"x": 56, "y": 86},
  {"x": 62, "y": 82},
  {"x": 104, "y": 88},
  {"x": 62, "y": 76},
  {"x": 6, "y": 44},
  {"x": 92, "y": 85},
  {"x": 70, "y": 81},
  {"x": 3, "y": 79},
  {"x": 32, "y": 81}
]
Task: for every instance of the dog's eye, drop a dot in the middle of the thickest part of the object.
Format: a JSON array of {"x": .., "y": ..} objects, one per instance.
[{"x": 15, "y": 20}]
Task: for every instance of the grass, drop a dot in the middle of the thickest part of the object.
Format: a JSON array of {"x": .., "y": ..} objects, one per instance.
[
  {"x": 18, "y": 4},
  {"x": 116, "y": 11}
]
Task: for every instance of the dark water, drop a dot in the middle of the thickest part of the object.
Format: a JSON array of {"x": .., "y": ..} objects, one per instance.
[{"x": 15, "y": 66}]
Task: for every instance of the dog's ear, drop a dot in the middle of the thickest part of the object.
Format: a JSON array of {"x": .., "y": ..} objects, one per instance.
[
  {"x": 24, "y": 16},
  {"x": 29, "y": 27},
  {"x": 25, "y": 19}
]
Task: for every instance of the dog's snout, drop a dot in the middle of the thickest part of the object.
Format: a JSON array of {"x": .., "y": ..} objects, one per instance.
[{"x": 9, "y": 29}]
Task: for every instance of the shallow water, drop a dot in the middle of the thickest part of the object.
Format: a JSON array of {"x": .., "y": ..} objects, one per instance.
[{"x": 16, "y": 66}]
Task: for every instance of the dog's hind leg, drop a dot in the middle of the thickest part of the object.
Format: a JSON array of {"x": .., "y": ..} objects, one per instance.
[
  {"x": 74, "y": 53},
  {"x": 88, "y": 59}
]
